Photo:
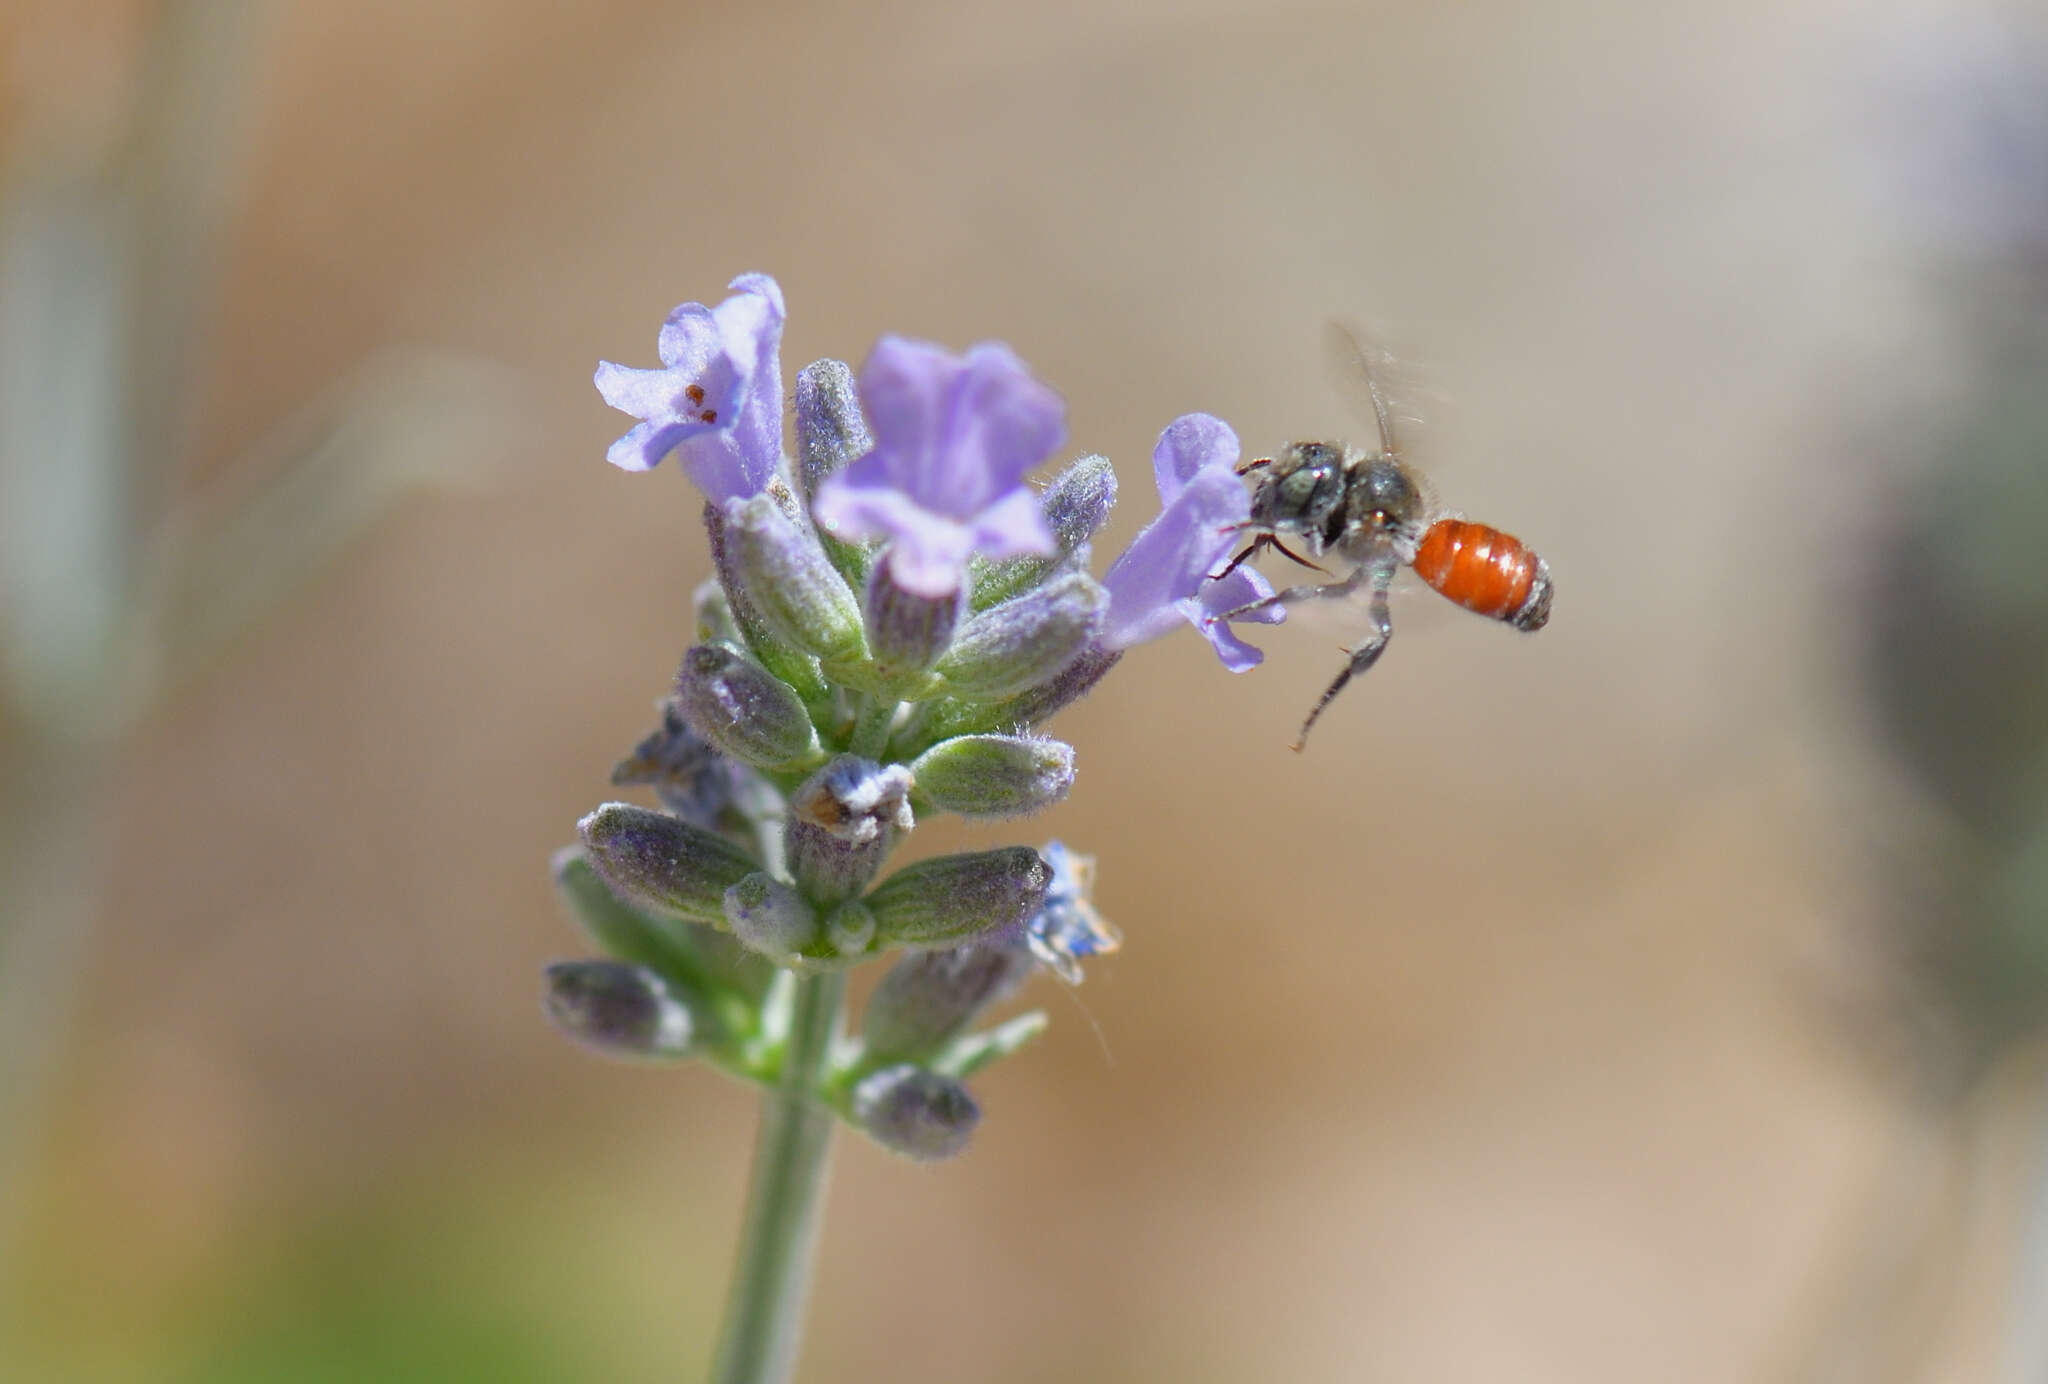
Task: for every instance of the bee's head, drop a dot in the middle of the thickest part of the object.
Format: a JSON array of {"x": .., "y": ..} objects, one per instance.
[{"x": 1300, "y": 488}]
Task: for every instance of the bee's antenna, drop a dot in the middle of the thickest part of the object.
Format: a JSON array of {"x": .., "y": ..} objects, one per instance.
[{"x": 1253, "y": 465}]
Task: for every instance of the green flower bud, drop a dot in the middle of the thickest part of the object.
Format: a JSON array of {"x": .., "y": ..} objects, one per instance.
[
  {"x": 771, "y": 918},
  {"x": 677, "y": 948},
  {"x": 1075, "y": 505},
  {"x": 830, "y": 432},
  {"x": 929, "y": 997},
  {"x": 791, "y": 581},
  {"x": 660, "y": 861},
  {"x": 619, "y": 1010},
  {"x": 850, "y": 930},
  {"x": 744, "y": 710},
  {"x": 916, "y": 1113},
  {"x": 994, "y": 775},
  {"x": 952, "y": 898},
  {"x": 1026, "y": 641},
  {"x": 785, "y": 661}
]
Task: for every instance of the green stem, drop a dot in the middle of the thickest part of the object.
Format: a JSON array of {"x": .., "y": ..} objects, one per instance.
[
  {"x": 871, "y": 731},
  {"x": 763, "y": 1329}
]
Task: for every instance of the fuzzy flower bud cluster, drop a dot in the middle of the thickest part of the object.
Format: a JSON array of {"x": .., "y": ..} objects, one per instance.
[{"x": 895, "y": 613}]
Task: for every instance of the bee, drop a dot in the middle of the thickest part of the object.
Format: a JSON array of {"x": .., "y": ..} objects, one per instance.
[{"x": 1373, "y": 514}]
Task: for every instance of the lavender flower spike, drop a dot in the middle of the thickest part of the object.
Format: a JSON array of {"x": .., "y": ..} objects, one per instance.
[
  {"x": 1163, "y": 577},
  {"x": 717, "y": 398},
  {"x": 954, "y": 436}
]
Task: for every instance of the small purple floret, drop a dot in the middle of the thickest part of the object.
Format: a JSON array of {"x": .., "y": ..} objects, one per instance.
[
  {"x": 717, "y": 400},
  {"x": 954, "y": 436},
  {"x": 1163, "y": 577}
]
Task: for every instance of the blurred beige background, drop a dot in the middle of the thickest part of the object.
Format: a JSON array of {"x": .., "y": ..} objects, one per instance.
[{"x": 1520, "y": 1030}]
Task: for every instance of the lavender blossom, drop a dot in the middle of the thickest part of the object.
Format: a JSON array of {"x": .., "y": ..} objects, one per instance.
[
  {"x": 954, "y": 436},
  {"x": 717, "y": 398},
  {"x": 1163, "y": 577}
]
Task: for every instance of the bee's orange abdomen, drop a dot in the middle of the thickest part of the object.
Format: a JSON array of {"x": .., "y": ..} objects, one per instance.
[{"x": 1486, "y": 571}]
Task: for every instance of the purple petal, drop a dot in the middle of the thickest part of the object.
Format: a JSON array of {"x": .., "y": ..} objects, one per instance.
[
  {"x": 642, "y": 393},
  {"x": 1168, "y": 562},
  {"x": 928, "y": 560},
  {"x": 1237, "y": 655},
  {"x": 755, "y": 314},
  {"x": 1013, "y": 526},
  {"x": 718, "y": 396},
  {"x": 903, "y": 388},
  {"x": 956, "y": 433},
  {"x": 1236, "y": 591},
  {"x": 1190, "y": 443},
  {"x": 722, "y": 469},
  {"x": 1005, "y": 417},
  {"x": 861, "y": 502},
  {"x": 644, "y": 445}
]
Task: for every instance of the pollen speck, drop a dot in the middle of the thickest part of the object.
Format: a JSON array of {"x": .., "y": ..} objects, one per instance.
[{"x": 695, "y": 394}]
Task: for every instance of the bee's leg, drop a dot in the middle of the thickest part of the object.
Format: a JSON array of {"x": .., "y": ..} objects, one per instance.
[
  {"x": 1295, "y": 595},
  {"x": 1252, "y": 547},
  {"x": 1366, "y": 654}
]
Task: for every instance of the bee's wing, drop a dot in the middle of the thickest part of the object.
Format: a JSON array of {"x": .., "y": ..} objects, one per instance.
[{"x": 1381, "y": 389}]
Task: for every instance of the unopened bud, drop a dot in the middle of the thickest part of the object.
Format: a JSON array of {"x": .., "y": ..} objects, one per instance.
[
  {"x": 915, "y": 1112},
  {"x": 714, "y": 614},
  {"x": 1075, "y": 505},
  {"x": 850, "y": 930},
  {"x": 1025, "y": 641},
  {"x": 770, "y": 917},
  {"x": 952, "y": 898},
  {"x": 1037, "y": 705},
  {"x": 994, "y": 775},
  {"x": 662, "y": 861},
  {"x": 743, "y": 709},
  {"x": 929, "y": 997},
  {"x": 830, "y": 432},
  {"x": 790, "y": 580},
  {"x": 618, "y": 1009},
  {"x": 786, "y": 661},
  {"x": 676, "y": 947}
]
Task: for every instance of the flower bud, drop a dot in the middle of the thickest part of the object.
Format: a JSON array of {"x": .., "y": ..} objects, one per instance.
[
  {"x": 770, "y": 917},
  {"x": 951, "y": 898},
  {"x": 678, "y": 949},
  {"x": 929, "y": 997},
  {"x": 618, "y": 1009},
  {"x": 843, "y": 822},
  {"x": 792, "y": 583},
  {"x": 743, "y": 709},
  {"x": 906, "y": 632},
  {"x": 691, "y": 778},
  {"x": 1025, "y": 641},
  {"x": 654, "y": 859},
  {"x": 916, "y": 1113},
  {"x": 850, "y": 930},
  {"x": 715, "y": 620},
  {"x": 1075, "y": 505},
  {"x": 785, "y": 661},
  {"x": 830, "y": 431},
  {"x": 994, "y": 775},
  {"x": 1037, "y": 705}
]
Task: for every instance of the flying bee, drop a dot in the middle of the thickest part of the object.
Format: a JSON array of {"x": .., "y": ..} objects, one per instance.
[{"x": 1373, "y": 514}]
